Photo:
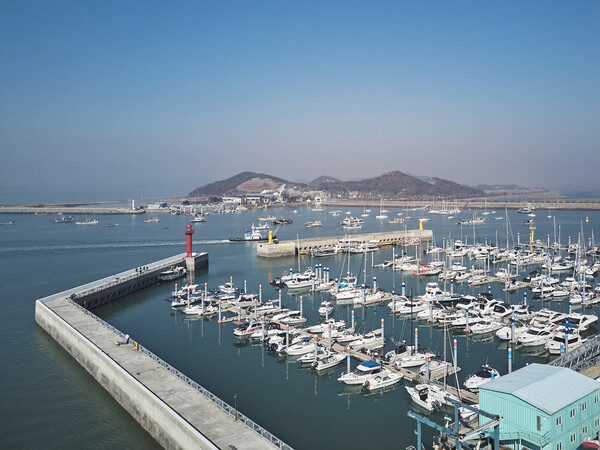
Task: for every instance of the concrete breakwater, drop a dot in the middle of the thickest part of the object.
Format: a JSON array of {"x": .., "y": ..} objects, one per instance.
[
  {"x": 174, "y": 409},
  {"x": 55, "y": 210},
  {"x": 291, "y": 248}
]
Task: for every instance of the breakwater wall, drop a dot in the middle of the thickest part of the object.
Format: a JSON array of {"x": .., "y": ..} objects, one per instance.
[
  {"x": 174, "y": 409},
  {"x": 67, "y": 211},
  {"x": 106, "y": 290},
  {"x": 291, "y": 248}
]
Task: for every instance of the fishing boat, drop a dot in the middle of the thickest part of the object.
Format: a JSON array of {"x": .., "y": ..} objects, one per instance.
[
  {"x": 64, "y": 219},
  {"x": 198, "y": 219},
  {"x": 382, "y": 380},
  {"x": 252, "y": 235},
  {"x": 10, "y": 222},
  {"x": 269, "y": 218},
  {"x": 429, "y": 396},
  {"x": 88, "y": 222},
  {"x": 152, "y": 220}
]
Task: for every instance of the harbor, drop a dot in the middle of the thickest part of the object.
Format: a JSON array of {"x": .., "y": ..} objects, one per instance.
[{"x": 197, "y": 346}]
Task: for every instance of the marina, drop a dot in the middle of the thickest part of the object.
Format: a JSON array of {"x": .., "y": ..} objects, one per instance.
[{"x": 215, "y": 341}]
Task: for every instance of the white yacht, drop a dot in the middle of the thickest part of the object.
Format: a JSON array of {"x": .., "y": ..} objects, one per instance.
[
  {"x": 536, "y": 336},
  {"x": 482, "y": 376},
  {"x": 363, "y": 372},
  {"x": 559, "y": 343}
]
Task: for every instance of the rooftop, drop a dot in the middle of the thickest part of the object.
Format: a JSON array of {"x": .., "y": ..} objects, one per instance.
[{"x": 534, "y": 382}]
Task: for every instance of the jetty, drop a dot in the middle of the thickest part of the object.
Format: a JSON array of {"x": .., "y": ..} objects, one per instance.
[
  {"x": 174, "y": 409},
  {"x": 291, "y": 248}
]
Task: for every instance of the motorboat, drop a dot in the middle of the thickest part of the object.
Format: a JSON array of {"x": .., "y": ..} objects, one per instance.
[
  {"x": 64, "y": 219},
  {"x": 246, "y": 329},
  {"x": 536, "y": 336},
  {"x": 482, "y": 376},
  {"x": 252, "y": 235},
  {"x": 151, "y": 220},
  {"x": 382, "y": 380},
  {"x": 198, "y": 219},
  {"x": 412, "y": 359},
  {"x": 316, "y": 223},
  {"x": 326, "y": 308},
  {"x": 582, "y": 321},
  {"x": 407, "y": 306},
  {"x": 311, "y": 357},
  {"x": 429, "y": 396},
  {"x": 435, "y": 366},
  {"x": 300, "y": 282},
  {"x": 363, "y": 372},
  {"x": 369, "y": 341},
  {"x": 564, "y": 340},
  {"x": 505, "y": 333},
  {"x": 303, "y": 346},
  {"x": 228, "y": 288},
  {"x": 293, "y": 318},
  {"x": 324, "y": 326},
  {"x": 328, "y": 361},
  {"x": 88, "y": 222},
  {"x": 172, "y": 274},
  {"x": 347, "y": 336}
]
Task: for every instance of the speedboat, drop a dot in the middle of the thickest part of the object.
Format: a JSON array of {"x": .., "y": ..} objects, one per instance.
[
  {"x": 311, "y": 357},
  {"x": 305, "y": 345},
  {"x": 482, "y": 376},
  {"x": 382, "y": 380},
  {"x": 328, "y": 361},
  {"x": 429, "y": 396},
  {"x": 363, "y": 372}
]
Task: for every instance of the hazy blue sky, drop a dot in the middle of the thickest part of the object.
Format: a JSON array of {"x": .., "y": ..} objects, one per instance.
[{"x": 151, "y": 97}]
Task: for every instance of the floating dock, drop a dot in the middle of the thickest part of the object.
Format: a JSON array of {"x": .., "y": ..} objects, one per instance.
[
  {"x": 175, "y": 410},
  {"x": 291, "y": 248}
]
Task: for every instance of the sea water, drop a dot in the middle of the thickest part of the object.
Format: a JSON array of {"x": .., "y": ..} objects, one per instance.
[{"x": 49, "y": 401}]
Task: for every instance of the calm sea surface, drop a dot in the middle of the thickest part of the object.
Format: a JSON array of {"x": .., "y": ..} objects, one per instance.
[{"x": 49, "y": 401}]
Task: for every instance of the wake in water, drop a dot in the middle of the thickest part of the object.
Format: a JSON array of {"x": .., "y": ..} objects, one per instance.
[{"x": 107, "y": 245}]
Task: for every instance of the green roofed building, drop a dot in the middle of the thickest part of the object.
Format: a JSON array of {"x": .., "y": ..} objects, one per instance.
[{"x": 544, "y": 407}]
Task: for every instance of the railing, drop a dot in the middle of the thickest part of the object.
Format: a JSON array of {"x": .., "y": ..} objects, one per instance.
[
  {"x": 581, "y": 357},
  {"x": 541, "y": 439},
  {"x": 209, "y": 395}
]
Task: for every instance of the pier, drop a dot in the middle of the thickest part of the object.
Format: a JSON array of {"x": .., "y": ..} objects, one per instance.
[
  {"x": 291, "y": 248},
  {"x": 175, "y": 410}
]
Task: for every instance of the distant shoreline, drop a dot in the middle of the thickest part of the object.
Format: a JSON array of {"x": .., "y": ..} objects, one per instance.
[{"x": 92, "y": 208}]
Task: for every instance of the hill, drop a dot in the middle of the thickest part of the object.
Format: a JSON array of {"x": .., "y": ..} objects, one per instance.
[
  {"x": 241, "y": 183},
  {"x": 398, "y": 184},
  {"x": 323, "y": 179}
]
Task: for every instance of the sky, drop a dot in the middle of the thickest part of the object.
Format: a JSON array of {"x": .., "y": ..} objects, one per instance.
[{"x": 147, "y": 98}]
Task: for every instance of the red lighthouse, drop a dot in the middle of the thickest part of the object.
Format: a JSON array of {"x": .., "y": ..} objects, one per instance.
[{"x": 188, "y": 240}]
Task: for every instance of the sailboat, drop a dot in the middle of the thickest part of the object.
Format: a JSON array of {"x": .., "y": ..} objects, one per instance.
[{"x": 382, "y": 212}]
